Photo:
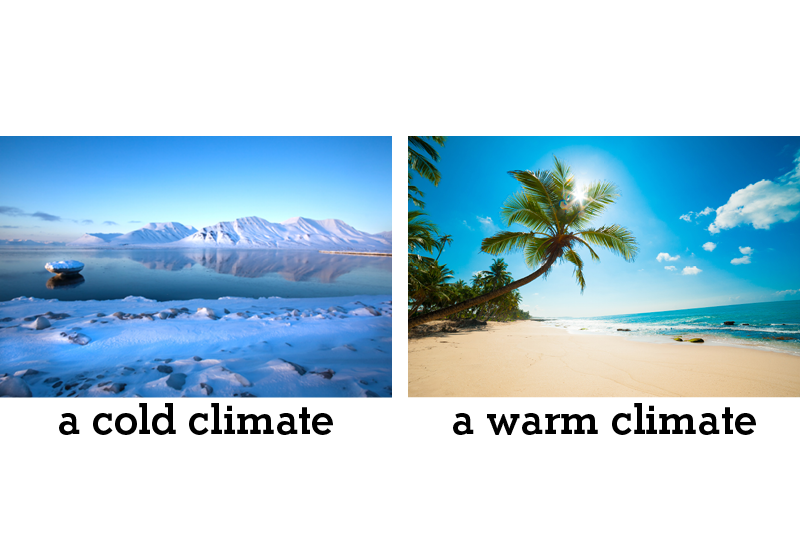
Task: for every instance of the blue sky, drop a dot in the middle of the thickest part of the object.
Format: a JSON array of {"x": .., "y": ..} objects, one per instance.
[
  {"x": 740, "y": 194},
  {"x": 58, "y": 188}
]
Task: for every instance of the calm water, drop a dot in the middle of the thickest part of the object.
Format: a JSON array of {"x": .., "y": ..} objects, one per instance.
[
  {"x": 197, "y": 273},
  {"x": 765, "y": 322}
]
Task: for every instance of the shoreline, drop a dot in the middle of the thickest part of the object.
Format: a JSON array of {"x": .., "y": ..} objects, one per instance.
[{"x": 528, "y": 358}]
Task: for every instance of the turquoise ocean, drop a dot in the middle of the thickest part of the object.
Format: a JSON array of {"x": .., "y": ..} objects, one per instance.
[{"x": 755, "y": 325}]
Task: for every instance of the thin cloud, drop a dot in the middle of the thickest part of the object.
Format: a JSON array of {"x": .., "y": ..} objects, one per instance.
[
  {"x": 709, "y": 246},
  {"x": 663, "y": 256},
  {"x": 110, "y": 223},
  {"x": 487, "y": 226},
  {"x": 10, "y": 227},
  {"x": 787, "y": 292},
  {"x": 706, "y": 211},
  {"x": 134, "y": 222},
  {"x": 11, "y": 211},
  {"x": 87, "y": 221},
  {"x": 688, "y": 216},
  {"x": 690, "y": 271},
  {"x": 670, "y": 268},
  {"x": 467, "y": 225},
  {"x": 46, "y": 216}
]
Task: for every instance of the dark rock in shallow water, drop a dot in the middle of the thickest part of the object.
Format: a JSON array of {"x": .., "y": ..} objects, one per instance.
[
  {"x": 14, "y": 388},
  {"x": 729, "y": 323},
  {"x": 745, "y": 324},
  {"x": 622, "y": 329},
  {"x": 300, "y": 369},
  {"x": 116, "y": 388},
  {"x": 176, "y": 380},
  {"x": 164, "y": 368},
  {"x": 678, "y": 339},
  {"x": 696, "y": 341}
]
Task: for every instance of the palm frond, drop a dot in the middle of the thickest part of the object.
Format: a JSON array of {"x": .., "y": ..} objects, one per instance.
[
  {"x": 573, "y": 257},
  {"x": 615, "y": 238},
  {"x": 423, "y": 167},
  {"x": 423, "y": 145},
  {"x": 521, "y": 208},
  {"x": 505, "y": 241}
]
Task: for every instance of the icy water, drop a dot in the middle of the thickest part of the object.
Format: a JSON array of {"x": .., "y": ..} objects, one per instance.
[
  {"x": 194, "y": 273},
  {"x": 755, "y": 325}
]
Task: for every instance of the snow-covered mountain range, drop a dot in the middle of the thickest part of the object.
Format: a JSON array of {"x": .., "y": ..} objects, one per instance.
[{"x": 250, "y": 232}]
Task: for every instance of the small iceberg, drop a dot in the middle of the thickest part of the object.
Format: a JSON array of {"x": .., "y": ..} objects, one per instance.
[{"x": 64, "y": 267}]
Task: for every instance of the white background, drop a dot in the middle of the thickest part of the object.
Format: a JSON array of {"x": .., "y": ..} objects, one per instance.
[{"x": 371, "y": 68}]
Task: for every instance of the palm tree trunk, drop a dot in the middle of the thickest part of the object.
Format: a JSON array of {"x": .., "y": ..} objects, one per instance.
[{"x": 442, "y": 313}]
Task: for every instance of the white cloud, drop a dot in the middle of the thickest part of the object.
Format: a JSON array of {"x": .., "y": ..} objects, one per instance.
[
  {"x": 670, "y": 268},
  {"x": 709, "y": 246},
  {"x": 706, "y": 211},
  {"x": 741, "y": 260},
  {"x": 687, "y": 217},
  {"x": 467, "y": 225},
  {"x": 746, "y": 250},
  {"x": 487, "y": 226},
  {"x": 663, "y": 256},
  {"x": 691, "y": 271},
  {"x": 787, "y": 291},
  {"x": 763, "y": 203}
]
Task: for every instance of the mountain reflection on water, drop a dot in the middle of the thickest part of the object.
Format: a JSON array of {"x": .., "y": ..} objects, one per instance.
[
  {"x": 291, "y": 265},
  {"x": 183, "y": 274}
]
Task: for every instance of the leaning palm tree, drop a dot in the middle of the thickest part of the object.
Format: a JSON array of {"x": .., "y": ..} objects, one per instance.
[
  {"x": 558, "y": 216},
  {"x": 441, "y": 242}
]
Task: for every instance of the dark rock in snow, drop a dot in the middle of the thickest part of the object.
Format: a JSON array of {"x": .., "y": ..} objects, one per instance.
[
  {"x": 103, "y": 384},
  {"x": 51, "y": 380},
  {"x": 164, "y": 368},
  {"x": 327, "y": 374},
  {"x": 300, "y": 370},
  {"x": 167, "y": 360},
  {"x": 226, "y": 311},
  {"x": 71, "y": 394},
  {"x": 6, "y": 319},
  {"x": 116, "y": 388},
  {"x": 128, "y": 368},
  {"x": 245, "y": 395},
  {"x": 118, "y": 314},
  {"x": 25, "y": 373},
  {"x": 55, "y": 316},
  {"x": 71, "y": 385},
  {"x": 197, "y": 358},
  {"x": 14, "y": 388},
  {"x": 85, "y": 386},
  {"x": 100, "y": 315},
  {"x": 79, "y": 338},
  {"x": 57, "y": 384},
  {"x": 176, "y": 380},
  {"x": 99, "y": 376},
  {"x": 208, "y": 389},
  {"x": 369, "y": 394}
]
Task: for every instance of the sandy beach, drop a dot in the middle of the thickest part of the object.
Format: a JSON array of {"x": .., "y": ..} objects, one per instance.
[{"x": 527, "y": 358}]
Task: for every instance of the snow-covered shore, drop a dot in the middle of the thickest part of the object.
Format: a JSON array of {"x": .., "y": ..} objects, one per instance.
[{"x": 228, "y": 347}]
